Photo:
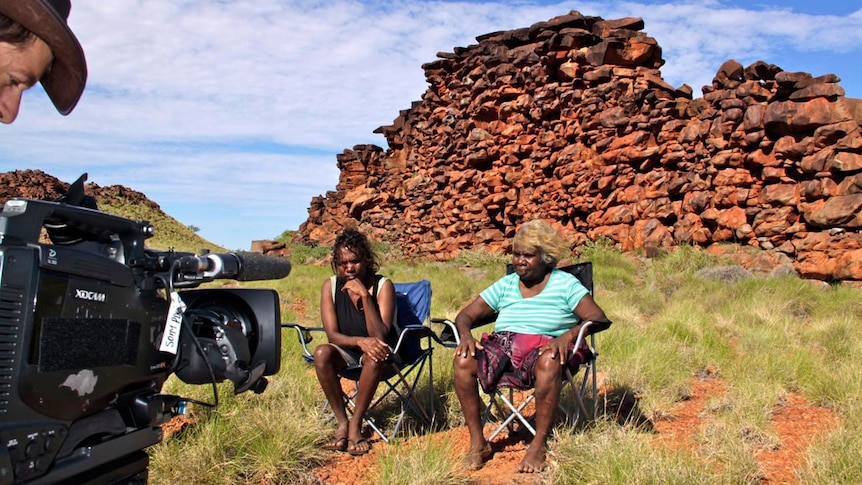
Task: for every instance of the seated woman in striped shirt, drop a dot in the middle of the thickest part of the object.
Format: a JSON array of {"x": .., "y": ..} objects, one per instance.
[{"x": 539, "y": 311}]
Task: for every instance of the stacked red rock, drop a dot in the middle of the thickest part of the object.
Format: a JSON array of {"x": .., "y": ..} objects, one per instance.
[
  {"x": 571, "y": 120},
  {"x": 272, "y": 248}
]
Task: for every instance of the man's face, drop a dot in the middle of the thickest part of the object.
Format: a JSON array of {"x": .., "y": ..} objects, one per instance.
[{"x": 20, "y": 68}]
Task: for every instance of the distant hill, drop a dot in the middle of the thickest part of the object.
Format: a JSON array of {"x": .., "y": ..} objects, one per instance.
[{"x": 114, "y": 199}]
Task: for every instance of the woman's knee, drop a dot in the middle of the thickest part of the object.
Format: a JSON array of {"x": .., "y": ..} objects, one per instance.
[
  {"x": 465, "y": 367},
  {"x": 546, "y": 366},
  {"x": 323, "y": 356},
  {"x": 373, "y": 365}
]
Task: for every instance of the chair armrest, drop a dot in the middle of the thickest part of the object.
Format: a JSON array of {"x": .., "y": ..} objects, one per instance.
[
  {"x": 304, "y": 334},
  {"x": 450, "y": 325},
  {"x": 414, "y": 331},
  {"x": 422, "y": 331},
  {"x": 596, "y": 326},
  {"x": 590, "y": 327}
]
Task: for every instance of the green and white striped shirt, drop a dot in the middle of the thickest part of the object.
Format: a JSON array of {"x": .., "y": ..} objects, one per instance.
[{"x": 551, "y": 312}]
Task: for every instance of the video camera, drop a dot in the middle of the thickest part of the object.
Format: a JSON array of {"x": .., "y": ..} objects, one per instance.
[{"x": 92, "y": 323}]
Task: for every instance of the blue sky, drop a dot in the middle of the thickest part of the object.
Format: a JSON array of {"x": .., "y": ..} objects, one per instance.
[{"x": 229, "y": 114}]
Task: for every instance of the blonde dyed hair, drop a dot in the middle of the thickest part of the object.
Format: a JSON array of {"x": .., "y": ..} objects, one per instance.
[{"x": 540, "y": 236}]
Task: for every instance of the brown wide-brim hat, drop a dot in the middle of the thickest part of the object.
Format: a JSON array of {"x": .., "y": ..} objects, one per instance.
[{"x": 67, "y": 76}]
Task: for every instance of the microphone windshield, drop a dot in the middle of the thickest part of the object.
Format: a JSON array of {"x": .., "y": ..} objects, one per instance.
[{"x": 257, "y": 267}]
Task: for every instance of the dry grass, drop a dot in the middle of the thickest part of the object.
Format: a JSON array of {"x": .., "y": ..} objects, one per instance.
[{"x": 765, "y": 337}]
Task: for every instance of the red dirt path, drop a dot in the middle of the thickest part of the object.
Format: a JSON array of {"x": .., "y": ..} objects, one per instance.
[
  {"x": 343, "y": 469},
  {"x": 795, "y": 423}
]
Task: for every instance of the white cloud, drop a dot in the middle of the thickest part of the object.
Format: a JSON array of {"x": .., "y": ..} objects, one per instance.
[{"x": 225, "y": 109}]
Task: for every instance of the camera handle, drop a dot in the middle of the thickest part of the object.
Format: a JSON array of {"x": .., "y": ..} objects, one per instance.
[{"x": 22, "y": 221}]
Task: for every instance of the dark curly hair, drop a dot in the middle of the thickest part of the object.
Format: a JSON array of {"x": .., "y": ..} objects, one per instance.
[{"x": 358, "y": 243}]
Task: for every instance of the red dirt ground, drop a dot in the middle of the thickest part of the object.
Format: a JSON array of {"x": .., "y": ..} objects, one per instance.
[
  {"x": 343, "y": 469},
  {"x": 795, "y": 423}
]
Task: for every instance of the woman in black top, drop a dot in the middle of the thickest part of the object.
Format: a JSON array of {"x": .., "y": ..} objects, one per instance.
[{"x": 357, "y": 308}]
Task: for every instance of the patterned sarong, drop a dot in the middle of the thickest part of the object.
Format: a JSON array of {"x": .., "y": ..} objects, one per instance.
[{"x": 509, "y": 359}]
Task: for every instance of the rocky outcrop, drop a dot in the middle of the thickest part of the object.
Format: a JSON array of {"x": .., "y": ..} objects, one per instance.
[
  {"x": 269, "y": 247},
  {"x": 36, "y": 184},
  {"x": 571, "y": 120}
]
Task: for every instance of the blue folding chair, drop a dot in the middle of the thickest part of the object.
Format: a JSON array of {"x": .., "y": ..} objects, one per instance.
[{"x": 412, "y": 354}]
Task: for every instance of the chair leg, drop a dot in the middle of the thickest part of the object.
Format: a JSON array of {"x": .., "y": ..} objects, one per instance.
[
  {"x": 413, "y": 401},
  {"x": 595, "y": 390},
  {"x": 578, "y": 389},
  {"x": 432, "y": 395},
  {"x": 409, "y": 400},
  {"x": 578, "y": 392},
  {"x": 514, "y": 413},
  {"x": 403, "y": 388}
]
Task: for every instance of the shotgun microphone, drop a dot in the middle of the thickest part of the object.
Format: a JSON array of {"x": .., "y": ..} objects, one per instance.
[{"x": 239, "y": 266}]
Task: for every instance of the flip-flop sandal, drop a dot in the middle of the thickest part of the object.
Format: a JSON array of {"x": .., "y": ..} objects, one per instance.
[
  {"x": 351, "y": 448},
  {"x": 338, "y": 445}
]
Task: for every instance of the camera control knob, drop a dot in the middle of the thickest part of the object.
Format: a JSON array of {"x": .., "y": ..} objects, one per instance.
[
  {"x": 34, "y": 448},
  {"x": 52, "y": 443},
  {"x": 43, "y": 463},
  {"x": 25, "y": 469}
]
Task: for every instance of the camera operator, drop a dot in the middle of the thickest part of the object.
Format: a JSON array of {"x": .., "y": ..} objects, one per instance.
[{"x": 36, "y": 44}]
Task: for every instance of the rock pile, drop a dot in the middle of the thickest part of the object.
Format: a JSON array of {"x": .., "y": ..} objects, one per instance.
[
  {"x": 571, "y": 120},
  {"x": 38, "y": 185}
]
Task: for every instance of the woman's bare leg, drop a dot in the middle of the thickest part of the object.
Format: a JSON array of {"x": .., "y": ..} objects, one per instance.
[
  {"x": 548, "y": 387},
  {"x": 369, "y": 379},
  {"x": 327, "y": 362},
  {"x": 467, "y": 389}
]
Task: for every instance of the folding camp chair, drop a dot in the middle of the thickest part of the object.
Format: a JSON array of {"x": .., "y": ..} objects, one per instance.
[
  {"x": 413, "y": 352},
  {"x": 515, "y": 412}
]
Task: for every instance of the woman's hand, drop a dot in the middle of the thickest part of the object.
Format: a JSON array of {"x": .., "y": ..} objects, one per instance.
[
  {"x": 558, "y": 347},
  {"x": 468, "y": 346},
  {"x": 355, "y": 288},
  {"x": 475, "y": 311},
  {"x": 357, "y": 292},
  {"x": 374, "y": 348}
]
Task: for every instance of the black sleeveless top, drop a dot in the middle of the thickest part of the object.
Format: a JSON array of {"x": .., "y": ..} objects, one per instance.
[{"x": 351, "y": 321}]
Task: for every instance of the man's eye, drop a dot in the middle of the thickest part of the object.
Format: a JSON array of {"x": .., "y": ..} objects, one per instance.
[{"x": 17, "y": 84}]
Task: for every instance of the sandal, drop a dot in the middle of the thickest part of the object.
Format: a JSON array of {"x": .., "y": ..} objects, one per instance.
[
  {"x": 339, "y": 444},
  {"x": 352, "y": 447}
]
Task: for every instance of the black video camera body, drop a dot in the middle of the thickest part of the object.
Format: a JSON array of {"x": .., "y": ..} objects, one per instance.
[{"x": 91, "y": 326}]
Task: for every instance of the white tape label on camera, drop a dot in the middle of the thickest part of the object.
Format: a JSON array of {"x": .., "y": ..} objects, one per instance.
[{"x": 173, "y": 325}]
